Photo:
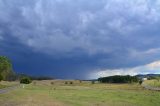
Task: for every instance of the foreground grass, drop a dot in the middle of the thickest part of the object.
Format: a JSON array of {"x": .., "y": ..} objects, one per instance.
[{"x": 80, "y": 94}]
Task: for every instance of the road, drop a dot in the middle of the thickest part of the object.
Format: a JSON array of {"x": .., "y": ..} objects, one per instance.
[
  {"x": 150, "y": 87},
  {"x": 7, "y": 89}
]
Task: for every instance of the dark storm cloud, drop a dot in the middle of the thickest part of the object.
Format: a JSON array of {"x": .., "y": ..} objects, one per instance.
[{"x": 79, "y": 36}]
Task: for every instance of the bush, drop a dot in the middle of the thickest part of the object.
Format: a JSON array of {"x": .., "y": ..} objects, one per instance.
[
  {"x": 71, "y": 82},
  {"x": 52, "y": 83},
  {"x": 25, "y": 80}
]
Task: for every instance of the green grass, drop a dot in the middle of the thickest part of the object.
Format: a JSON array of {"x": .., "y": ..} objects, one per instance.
[
  {"x": 103, "y": 97},
  {"x": 80, "y": 94}
]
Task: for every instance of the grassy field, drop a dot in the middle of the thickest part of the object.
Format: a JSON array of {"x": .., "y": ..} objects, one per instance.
[{"x": 43, "y": 93}]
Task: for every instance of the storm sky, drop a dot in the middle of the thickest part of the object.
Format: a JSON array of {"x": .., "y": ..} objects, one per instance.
[{"x": 81, "y": 39}]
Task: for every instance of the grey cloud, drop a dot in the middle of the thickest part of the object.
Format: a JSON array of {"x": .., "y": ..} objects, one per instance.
[{"x": 62, "y": 27}]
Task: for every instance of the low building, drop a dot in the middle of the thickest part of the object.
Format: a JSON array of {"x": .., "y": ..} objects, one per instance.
[{"x": 144, "y": 79}]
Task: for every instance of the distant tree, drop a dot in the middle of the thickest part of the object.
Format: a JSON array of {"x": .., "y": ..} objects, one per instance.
[
  {"x": 118, "y": 79},
  {"x": 25, "y": 80}
]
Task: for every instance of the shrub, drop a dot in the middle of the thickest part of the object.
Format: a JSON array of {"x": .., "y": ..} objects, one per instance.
[
  {"x": 52, "y": 83},
  {"x": 71, "y": 82},
  {"x": 25, "y": 80}
]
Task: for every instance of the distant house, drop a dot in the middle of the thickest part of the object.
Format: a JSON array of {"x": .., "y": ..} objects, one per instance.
[{"x": 144, "y": 79}]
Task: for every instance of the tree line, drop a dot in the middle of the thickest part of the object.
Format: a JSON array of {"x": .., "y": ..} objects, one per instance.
[{"x": 118, "y": 79}]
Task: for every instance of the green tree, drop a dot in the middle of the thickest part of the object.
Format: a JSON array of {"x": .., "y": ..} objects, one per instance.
[
  {"x": 5, "y": 67},
  {"x": 118, "y": 79},
  {"x": 25, "y": 80}
]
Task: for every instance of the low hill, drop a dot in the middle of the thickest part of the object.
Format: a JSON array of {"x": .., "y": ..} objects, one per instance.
[{"x": 147, "y": 75}]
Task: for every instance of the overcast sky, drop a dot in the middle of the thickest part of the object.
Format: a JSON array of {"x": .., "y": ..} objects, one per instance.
[{"x": 81, "y": 38}]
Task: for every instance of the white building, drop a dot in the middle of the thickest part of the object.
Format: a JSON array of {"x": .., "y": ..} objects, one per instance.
[{"x": 144, "y": 79}]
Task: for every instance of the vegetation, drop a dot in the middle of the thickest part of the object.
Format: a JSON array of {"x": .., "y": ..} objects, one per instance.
[
  {"x": 6, "y": 71},
  {"x": 25, "y": 80},
  {"x": 118, "y": 79},
  {"x": 71, "y": 82},
  {"x": 52, "y": 83}
]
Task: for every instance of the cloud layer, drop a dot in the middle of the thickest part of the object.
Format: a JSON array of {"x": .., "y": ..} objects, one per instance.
[
  {"x": 112, "y": 34},
  {"x": 152, "y": 68}
]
